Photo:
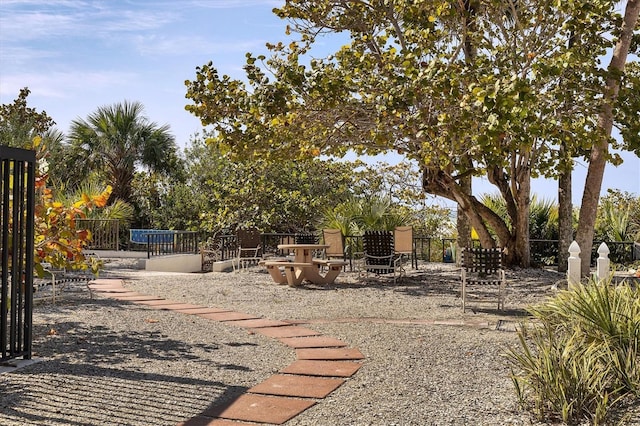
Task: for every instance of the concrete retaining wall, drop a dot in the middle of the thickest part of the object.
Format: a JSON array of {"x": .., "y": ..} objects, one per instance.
[
  {"x": 175, "y": 263},
  {"x": 222, "y": 266}
]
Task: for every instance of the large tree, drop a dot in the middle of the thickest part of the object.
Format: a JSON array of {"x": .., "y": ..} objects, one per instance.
[
  {"x": 57, "y": 239},
  {"x": 117, "y": 140},
  {"x": 599, "y": 153},
  {"x": 407, "y": 83},
  {"x": 20, "y": 124},
  {"x": 222, "y": 195}
]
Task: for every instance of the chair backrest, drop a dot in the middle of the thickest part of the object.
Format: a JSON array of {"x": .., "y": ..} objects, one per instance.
[
  {"x": 249, "y": 238},
  {"x": 378, "y": 243},
  {"x": 485, "y": 261},
  {"x": 306, "y": 238},
  {"x": 403, "y": 239},
  {"x": 335, "y": 240}
]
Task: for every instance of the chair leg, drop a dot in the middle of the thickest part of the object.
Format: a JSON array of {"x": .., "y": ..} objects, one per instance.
[
  {"x": 464, "y": 294},
  {"x": 501, "y": 290}
]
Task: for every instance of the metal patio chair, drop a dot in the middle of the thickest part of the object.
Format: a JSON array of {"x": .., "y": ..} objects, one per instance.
[
  {"x": 379, "y": 256},
  {"x": 482, "y": 269},
  {"x": 249, "y": 248},
  {"x": 403, "y": 244}
]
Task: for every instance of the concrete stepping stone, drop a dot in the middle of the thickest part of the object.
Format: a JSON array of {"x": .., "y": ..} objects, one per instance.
[
  {"x": 120, "y": 294},
  {"x": 202, "y": 310},
  {"x": 175, "y": 306},
  {"x": 329, "y": 354},
  {"x": 291, "y": 331},
  {"x": 312, "y": 342},
  {"x": 134, "y": 298},
  {"x": 297, "y": 386},
  {"x": 106, "y": 282},
  {"x": 261, "y": 323},
  {"x": 228, "y": 316},
  {"x": 260, "y": 409},
  {"x": 159, "y": 302},
  {"x": 208, "y": 421},
  {"x": 109, "y": 289},
  {"x": 323, "y": 368}
]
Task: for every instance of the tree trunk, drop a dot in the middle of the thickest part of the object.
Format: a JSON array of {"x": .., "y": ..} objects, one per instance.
[
  {"x": 437, "y": 182},
  {"x": 600, "y": 150},
  {"x": 515, "y": 188},
  {"x": 565, "y": 219},
  {"x": 462, "y": 221},
  {"x": 521, "y": 222},
  {"x": 565, "y": 197}
]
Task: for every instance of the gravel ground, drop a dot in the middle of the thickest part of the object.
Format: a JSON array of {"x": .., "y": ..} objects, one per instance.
[{"x": 104, "y": 362}]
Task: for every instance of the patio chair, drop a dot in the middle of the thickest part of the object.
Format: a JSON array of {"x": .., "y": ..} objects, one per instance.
[
  {"x": 335, "y": 240},
  {"x": 210, "y": 252},
  {"x": 403, "y": 244},
  {"x": 482, "y": 268},
  {"x": 306, "y": 238},
  {"x": 379, "y": 257},
  {"x": 249, "y": 248},
  {"x": 58, "y": 278}
]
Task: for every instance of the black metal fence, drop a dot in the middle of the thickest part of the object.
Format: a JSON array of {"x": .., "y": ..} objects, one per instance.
[
  {"x": 427, "y": 248},
  {"x": 431, "y": 249},
  {"x": 17, "y": 198},
  {"x": 171, "y": 242}
]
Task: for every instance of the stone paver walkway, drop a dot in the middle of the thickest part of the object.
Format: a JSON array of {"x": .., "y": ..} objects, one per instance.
[{"x": 323, "y": 363}]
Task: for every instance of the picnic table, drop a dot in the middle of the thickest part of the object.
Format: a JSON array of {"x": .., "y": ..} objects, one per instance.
[{"x": 304, "y": 266}]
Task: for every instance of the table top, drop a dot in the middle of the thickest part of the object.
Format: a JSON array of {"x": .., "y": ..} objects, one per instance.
[{"x": 303, "y": 246}]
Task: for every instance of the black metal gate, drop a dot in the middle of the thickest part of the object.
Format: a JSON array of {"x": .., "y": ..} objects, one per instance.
[{"x": 17, "y": 195}]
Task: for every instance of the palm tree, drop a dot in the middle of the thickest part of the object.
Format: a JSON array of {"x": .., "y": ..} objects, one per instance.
[
  {"x": 543, "y": 215},
  {"x": 356, "y": 215},
  {"x": 117, "y": 139}
]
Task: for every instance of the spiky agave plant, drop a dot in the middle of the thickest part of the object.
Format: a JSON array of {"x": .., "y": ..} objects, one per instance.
[
  {"x": 580, "y": 358},
  {"x": 617, "y": 222}
]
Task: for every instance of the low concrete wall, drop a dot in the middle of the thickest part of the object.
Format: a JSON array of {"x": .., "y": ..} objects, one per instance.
[
  {"x": 119, "y": 254},
  {"x": 175, "y": 263},
  {"x": 222, "y": 266},
  {"x": 167, "y": 263}
]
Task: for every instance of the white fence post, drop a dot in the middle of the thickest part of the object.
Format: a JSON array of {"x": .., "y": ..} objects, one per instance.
[
  {"x": 603, "y": 262},
  {"x": 573, "y": 266}
]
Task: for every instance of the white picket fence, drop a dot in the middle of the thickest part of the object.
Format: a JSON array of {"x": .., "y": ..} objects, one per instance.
[{"x": 602, "y": 264}]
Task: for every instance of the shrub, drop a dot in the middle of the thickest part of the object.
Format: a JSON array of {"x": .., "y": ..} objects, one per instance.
[{"x": 579, "y": 359}]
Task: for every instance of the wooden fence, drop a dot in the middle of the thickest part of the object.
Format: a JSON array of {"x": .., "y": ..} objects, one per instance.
[{"x": 104, "y": 233}]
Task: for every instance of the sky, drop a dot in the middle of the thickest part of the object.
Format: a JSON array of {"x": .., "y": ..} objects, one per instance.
[{"x": 78, "y": 55}]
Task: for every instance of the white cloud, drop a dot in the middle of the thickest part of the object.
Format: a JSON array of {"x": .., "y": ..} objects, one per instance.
[
  {"x": 33, "y": 25},
  {"x": 63, "y": 85},
  {"x": 162, "y": 45},
  {"x": 77, "y": 19},
  {"x": 22, "y": 57},
  {"x": 231, "y": 4}
]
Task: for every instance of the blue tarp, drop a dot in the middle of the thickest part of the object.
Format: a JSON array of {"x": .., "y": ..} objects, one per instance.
[{"x": 141, "y": 236}]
